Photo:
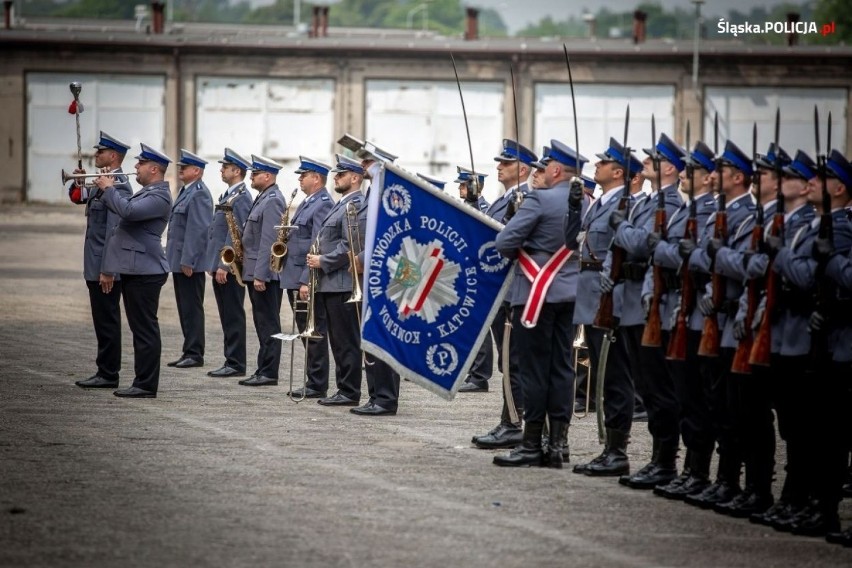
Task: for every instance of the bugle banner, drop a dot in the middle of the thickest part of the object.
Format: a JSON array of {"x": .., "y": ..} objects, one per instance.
[{"x": 433, "y": 281}]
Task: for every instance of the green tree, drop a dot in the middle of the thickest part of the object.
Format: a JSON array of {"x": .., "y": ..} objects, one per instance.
[
  {"x": 108, "y": 9},
  {"x": 838, "y": 13}
]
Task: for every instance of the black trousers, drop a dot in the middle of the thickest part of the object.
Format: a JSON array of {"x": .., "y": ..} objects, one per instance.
[
  {"x": 832, "y": 432},
  {"x": 618, "y": 384},
  {"x": 692, "y": 382},
  {"x": 547, "y": 374},
  {"x": 189, "y": 296},
  {"x": 344, "y": 337},
  {"x": 792, "y": 378},
  {"x": 382, "y": 383},
  {"x": 483, "y": 364},
  {"x": 317, "y": 354},
  {"x": 725, "y": 408},
  {"x": 653, "y": 381},
  {"x": 230, "y": 299},
  {"x": 266, "y": 310},
  {"x": 106, "y": 318},
  {"x": 141, "y": 302},
  {"x": 758, "y": 427}
]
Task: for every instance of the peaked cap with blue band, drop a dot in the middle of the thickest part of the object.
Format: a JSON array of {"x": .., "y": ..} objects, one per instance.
[
  {"x": 589, "y": 183},
  {"x": 466, "y": 175},
  {"x": 107, "y": 142},
  {"x": 149, "y": 154},
  {"x": 512, "y": 152},
  {"x": 701, "y": 157},
  {"x": 232, "y": 157},
  {"x": 768, "y": 160},
  {"x": 735, "y": 157},
  {"x": 565, "y": 155},
  {"x": 838, "y": 166},
  {"x": 615, "y": 153},
  {"x": 264, "y": 164},
  {"x": 187, "y": 158},
  {"x": 802, "y": 166},
  {"x": 436, "y": 182},
  {"x": 669, "y": 151},
  {"x": 540, "y": 163},
  {"x": 309, "y": 165},
  {"x": 346, "y": 164}
]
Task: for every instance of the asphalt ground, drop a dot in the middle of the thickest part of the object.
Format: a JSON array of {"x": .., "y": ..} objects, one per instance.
[{"x": 214, "y": 474}]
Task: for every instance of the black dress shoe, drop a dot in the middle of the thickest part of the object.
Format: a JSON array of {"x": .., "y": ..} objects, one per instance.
[
  {"x": 504, "y": 436},
  {"x": 134, "y": 392},
  {"x": 308, "y": 393},
  {"x": 840, "y": 537},
  {"x": 785, "y": 520},
  {"x": 187, "y": 363},
  {"x": 765, "y": 518},
  {"x": 372, "y": 409},
  {"x": 657, "y": 475},
  {"x": 337, "y": 400},
  {"x": 226, "y": 371},
  {"x": 692, "y": 485},
  {"x": 745, "y": 504},
  {"x": 719, "y": 492},
  {"x": 96, "y": 382},
  {"x": 818, "y": 524},
  {"x": 614, "y": 465},
  {"x": 258, "y": 381},
  {"x": 490, "y": 433},
  {"x": 473, "y": 387}
]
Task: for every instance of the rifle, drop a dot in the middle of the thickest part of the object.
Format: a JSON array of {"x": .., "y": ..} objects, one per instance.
[
  {"x": 677, "y": 342},
  {"x": 762, "y": 343},
  {"x": 740, "y": 363},
  {"x": 604, "y": 318},
  {"x": 825, "y": 291},
  {"x": 710, "y": 340},
  {"x": 652, "y": 335}
]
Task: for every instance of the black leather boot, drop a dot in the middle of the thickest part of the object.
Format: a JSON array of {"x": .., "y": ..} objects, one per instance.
[
  {"x": 840, "y": 537},
  {"x": 529, "y": 452},
  {"x": 662, "y": 471},
  {"x": 645, "y": 469},
  {"x": 615, "y": 463},
  {"x": 505, "y": 435},
  {"x": 822, "y": 521},
  {"x": 698, "y": 480},
  {"x": 556, "y": 441}
]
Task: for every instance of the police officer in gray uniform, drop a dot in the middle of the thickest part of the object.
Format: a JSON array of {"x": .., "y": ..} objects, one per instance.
[
  {"x": 260, "y": 280},
  {"x": 104, "y": 289},
  {"x": 335, "y": 285},
  {"x": 135, "y": 252},
  {"x": 543, "y": 309},
  {"x": 186, "y": 248},
  {"x": 230, "y": 294},
  {"x": 295, "y": 276},
  {"x": 465, "y": 176}
]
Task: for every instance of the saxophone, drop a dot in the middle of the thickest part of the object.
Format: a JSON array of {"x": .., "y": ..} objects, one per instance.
[
  {"x": 232, "y": 256},
  {"x": 279, "y": 247}
]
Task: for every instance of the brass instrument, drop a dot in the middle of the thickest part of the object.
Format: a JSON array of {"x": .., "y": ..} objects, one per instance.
[
  {"x": 353, "y": 233},
  {"x": 279, "y": 247},
  {"x": 580, "y": 345},
  {"x": 232, "y": 256}
]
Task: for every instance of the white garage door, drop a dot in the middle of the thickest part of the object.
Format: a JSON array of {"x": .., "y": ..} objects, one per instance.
[
  {"x": 740, "y": 108},
  {"x": 277, "y": 118},
  {"x": 422, "y": 122},
  {"x": 600, "y": 115},
  {"x": 129, "y": 107}
]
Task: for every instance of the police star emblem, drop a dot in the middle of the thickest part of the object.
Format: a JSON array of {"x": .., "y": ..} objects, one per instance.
[{"x": 422, "y": 280}]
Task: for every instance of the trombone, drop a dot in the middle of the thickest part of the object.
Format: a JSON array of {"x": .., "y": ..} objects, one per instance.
[
  {"x": 353, "y": 233},
  {"x": 580, "y": 345}
]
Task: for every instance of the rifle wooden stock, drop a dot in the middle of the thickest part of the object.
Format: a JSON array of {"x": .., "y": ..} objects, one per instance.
[
  {"x": 604, "y": 319},
  {"x": 742, "y": 355},
  {"x": 677, "y": 342},
  {"x": 710, "y": 339},
  {"x": 762, "y": 345},
  {"x": 652, "y": 335}
]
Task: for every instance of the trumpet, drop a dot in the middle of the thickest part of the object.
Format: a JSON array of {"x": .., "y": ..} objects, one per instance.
[
  {"x": 66, "y": 177},
  {"x": 310, "y": 329},
  {"x": 279, "y": 247},
  {"x": 353, "y": 233}
]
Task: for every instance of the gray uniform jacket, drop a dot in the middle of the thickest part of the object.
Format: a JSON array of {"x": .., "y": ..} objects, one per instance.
[
  {"x": 218, "y": 234},
  {"x": 334, "y": 273},
  {"x": 482, "y": 205},
  {"x": 537, "y": 227},
  {"x": 596, "y": 243},
  {"x": 135, "y": 246},
  {"x": 632, "y": 236},
  {"x": 839, "y": 269},
  {"x": 497, "y": 210},
  {"x": 798, "y": 268},
  {"x": 186, "y": 243},
  {"x": 259, "y": 233},
  {"x": 100, "y": 223},
  {"x": 308, "y": 220},
  {"x": 666, "y": 255}
]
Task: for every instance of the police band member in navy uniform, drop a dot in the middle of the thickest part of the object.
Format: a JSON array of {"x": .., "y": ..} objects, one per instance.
[
  {"x": 467, "y": 191},
  {"x": 690, "y": 377},
  {"x": 261, "y": 281},
  {"x": 735, "y": 172},
  {"x": 186, "y": 247},
  {"x": 822, "y": 460},
  {"x": 542, "y": 314},
  {"x": 514, "y": 164},
  {"x": 135, "y": 252},
  {"x": 647, "y": 364},
  {"x": 382, "y": 380},
  {"x": 104, "y": 288},
  {"x": 295, "y": 277},
  {"x": 335, "y": 285},
  {"x": 230, "y": 294}
]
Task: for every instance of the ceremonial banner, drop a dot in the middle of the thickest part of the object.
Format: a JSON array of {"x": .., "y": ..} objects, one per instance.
[{"x": 433, "y": 281}]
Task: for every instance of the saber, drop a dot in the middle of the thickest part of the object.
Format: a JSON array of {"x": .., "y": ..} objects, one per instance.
[
  {"x": 473, "y": 196},
  {"x": 574, "y": 106},
  {"x": 75, "y": 88}
]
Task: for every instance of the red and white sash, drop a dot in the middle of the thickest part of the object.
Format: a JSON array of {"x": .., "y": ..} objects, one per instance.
[{"x": 541, "y": 279}]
